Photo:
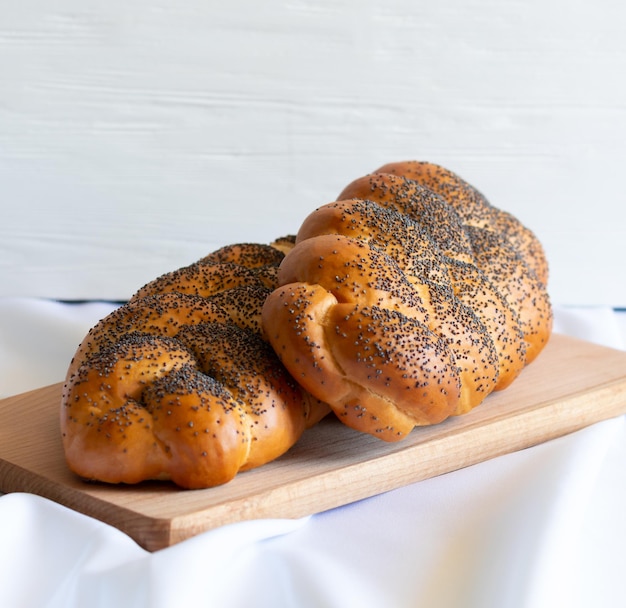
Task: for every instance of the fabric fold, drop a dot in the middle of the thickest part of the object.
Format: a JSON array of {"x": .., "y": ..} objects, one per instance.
[{"x": 532, "y": 529}]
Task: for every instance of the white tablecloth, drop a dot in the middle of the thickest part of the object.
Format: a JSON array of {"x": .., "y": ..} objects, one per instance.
[{"x": 543, "y": 527}]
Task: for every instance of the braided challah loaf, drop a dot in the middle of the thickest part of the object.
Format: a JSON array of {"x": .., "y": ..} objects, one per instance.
[
  {"x": 179, "y": 383},
  {"x": 408, "y": 300}
]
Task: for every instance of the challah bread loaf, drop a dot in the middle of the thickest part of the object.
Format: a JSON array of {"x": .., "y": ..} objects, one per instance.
[
  {"x": 179, "y": 383},
  {"x": 393, "y": 263}
]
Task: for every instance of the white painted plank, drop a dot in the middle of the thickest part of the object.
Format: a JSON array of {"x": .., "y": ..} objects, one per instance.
[{"x": 136, "y": 136}]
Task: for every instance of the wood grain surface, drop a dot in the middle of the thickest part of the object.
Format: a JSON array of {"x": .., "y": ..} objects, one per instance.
[{"x": 571, "y": 385}]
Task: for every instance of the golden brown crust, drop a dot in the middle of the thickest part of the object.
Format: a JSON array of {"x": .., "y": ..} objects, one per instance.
[
  {"x": 315, "y": 337},
  {"x": 157, "y": 314},
  {"x": 419, "y": 257},
  {"x": 284, "y": 243},
  {"x": 250, "y": 255},
  {"x": 510, "y": 266},
  {"x": 519, "y": 285},
  {"x": 522, "y": 239},
  {"x": 468, "y": 202},
  {"x": 267, "y": 276},
  {"x": 150, "y": 407},
  {"x": 385, "y": 229},
  {"x": 352, "y": 271},
  {"x": 474, "y": 209},
  {"x": 200, "y": 280},
  {"x": 502, "y": 321},
  {"x": 432, "y": 212},
  {"x": 431, "y": 252},
  {"x": 247, "y": 366},
  {"x": 242, "y": 305},
  {"x": 179, "y": 382},
  {"x": 365, "y": 283}
]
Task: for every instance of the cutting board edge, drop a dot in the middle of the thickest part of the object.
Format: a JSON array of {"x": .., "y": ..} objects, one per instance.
[
  {"x": 130, "y": 521},
  {"x": 181, "y": 529}
]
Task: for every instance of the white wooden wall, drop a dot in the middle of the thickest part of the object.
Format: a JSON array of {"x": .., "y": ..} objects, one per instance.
[{"x": 138, "y": 135}]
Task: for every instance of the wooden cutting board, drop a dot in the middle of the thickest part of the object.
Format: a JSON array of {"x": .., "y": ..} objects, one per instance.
[{"x": 571, "y": 385}]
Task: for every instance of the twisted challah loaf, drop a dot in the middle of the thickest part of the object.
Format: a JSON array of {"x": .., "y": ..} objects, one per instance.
[
  {"x": 404, "y": 303},
  {"x": 180, "y": 384}
]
